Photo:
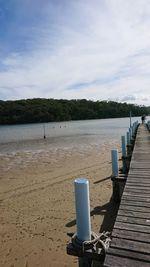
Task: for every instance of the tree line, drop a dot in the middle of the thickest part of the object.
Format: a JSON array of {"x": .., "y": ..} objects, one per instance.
[{"x": 52, "y": 110}]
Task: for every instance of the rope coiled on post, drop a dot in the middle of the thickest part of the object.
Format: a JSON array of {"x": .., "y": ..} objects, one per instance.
[{"x": 97, "y": 242}]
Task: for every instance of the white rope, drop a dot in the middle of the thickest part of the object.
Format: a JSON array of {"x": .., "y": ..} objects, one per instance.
[{"x": 100, "y": 241}]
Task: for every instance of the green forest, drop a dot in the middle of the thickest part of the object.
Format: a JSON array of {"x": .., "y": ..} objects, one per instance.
[{"x": 50, "y": 110}]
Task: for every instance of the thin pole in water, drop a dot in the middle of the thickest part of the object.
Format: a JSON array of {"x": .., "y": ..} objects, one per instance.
[{"x": 44, "y": 131}]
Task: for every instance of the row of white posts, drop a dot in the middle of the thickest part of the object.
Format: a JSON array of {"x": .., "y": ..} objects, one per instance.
[
  {"x": 126, "y": 142},
  {"x": 82, "y": 200}
]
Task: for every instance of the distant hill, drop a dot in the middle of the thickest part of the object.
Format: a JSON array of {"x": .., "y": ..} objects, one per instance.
[{"x": 50, "y": 110}]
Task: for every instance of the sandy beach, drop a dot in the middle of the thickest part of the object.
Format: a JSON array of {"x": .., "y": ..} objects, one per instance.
[{"x": 37, "y": 203}]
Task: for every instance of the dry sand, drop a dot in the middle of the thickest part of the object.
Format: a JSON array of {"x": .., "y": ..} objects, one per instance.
[{"x": 37, "y": 203}]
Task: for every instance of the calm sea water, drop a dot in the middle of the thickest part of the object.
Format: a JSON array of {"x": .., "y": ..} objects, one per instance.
[{"x": 29, "y": 137}]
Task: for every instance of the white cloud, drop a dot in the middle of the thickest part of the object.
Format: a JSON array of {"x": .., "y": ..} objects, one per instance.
[{"x": 102, "y": 44}]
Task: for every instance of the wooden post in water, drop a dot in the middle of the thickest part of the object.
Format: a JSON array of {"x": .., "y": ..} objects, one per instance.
[{"x": 82, "y": 204}]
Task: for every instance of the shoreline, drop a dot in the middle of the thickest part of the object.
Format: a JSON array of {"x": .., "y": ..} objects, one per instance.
[{"x": 37, "y": 203}]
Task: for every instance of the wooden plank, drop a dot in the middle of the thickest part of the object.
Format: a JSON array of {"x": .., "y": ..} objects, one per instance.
[
  {"x": 135, "y": 202},
  {"x": 134, "y": 171},
  {"x": 135, "y": 196},
  {"x": 132, "y": 227},
  {"x": 143, "y": 183},
  {"x": 115, "y": 261},
  {"x": 131, "y": 235},
  {"x": 133, "y": 220},
  {"x": 139, "y": 167},
  {"x": 134, "y": 208},
  {"x": 128, "y": 254},
  {"x": 137, "y": 189},
  {"x": 135, "y": 214},
  {"x": 140, "y": 164},
  {"x": 131, "y": 245},
  {"x": 138, "y": 185},
  {"x": 141, "y": 176}
]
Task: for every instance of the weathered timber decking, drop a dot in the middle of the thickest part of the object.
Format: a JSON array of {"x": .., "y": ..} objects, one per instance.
[{"x": 130, "y": 244}]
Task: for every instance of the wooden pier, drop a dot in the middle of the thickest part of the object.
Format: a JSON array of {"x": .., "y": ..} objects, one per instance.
[{"x": 130, "y": 245}]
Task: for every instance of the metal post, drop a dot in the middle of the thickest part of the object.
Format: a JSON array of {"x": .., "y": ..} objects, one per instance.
[
  {"x": 115, "y": 167},
  {"x": 82, "y": 204}
]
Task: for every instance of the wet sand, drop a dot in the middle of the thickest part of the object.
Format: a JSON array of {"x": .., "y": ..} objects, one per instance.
[{"x": 37, "y": 203}]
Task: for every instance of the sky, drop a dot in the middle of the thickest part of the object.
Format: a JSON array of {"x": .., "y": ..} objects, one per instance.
[{"x": 74, "y": 49}]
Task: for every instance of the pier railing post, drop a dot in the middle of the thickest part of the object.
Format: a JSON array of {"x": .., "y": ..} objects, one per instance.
[
  {"x": 115, "y": 174},
  {"x": 128, "y": 138},
  {"x": 130, "y": 118},
  {"x": 82, "y": 204},
  {"x": 130, "y": 134},
  {"x": 129, "y": 145},
  {"x": 148, "y": 125},
  {"x": 115, "y": 165},
  {"x": 86, "y": 245},
  {"x": 124, "y": 154},
  {"x": 133, "y": 130}
]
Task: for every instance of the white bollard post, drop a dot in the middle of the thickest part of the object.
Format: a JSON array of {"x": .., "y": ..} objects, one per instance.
[
  {"x": 123, "y": 144},
  {"x": 130, "y": 118},
  {"x": 115, "y": 167},
  {"x": 128, "y": 138},
  {"x": 133, "y": 129},
  {"x": 82, "y": 204},
  {"x": 130, "y": 134}
]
